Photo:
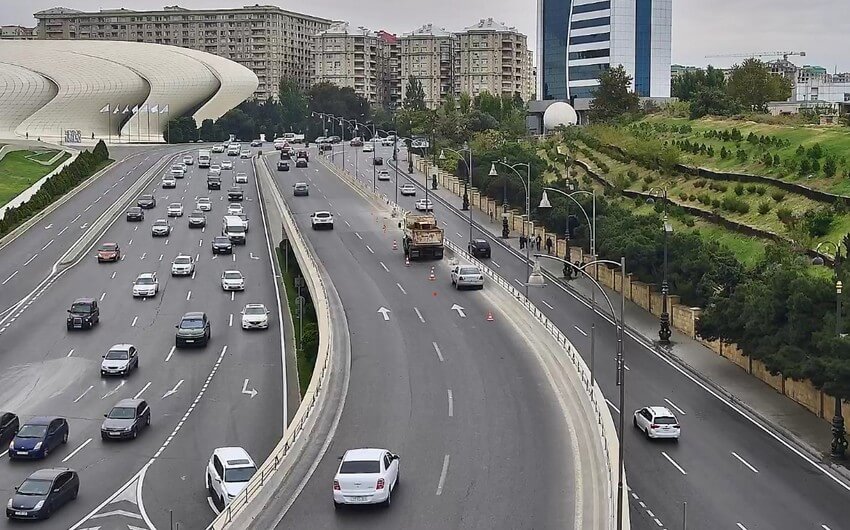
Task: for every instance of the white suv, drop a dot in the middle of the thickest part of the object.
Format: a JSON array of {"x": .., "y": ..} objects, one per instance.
[
  {"x": 232, "y": 281},
  {"x": 366, "y": 476},
  {"x": 228, "y": 472},
  {"x": 183, "y": 265},
  {"x": 241, "y": 178},
  {"x": 657, "y": 422},
  {"x": 322, "y": 220}
]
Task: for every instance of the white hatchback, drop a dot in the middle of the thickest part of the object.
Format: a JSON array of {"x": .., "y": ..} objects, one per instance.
[
  {"x": 366, "y": 476},
  {"x": 322, "y": 220},
  {"x": 657, "y": 422},
  {"x": 204, "y": 204},
  {"x": 228, "y": 472}
]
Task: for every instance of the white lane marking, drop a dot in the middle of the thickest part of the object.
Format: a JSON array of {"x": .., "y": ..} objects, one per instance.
[
  {"x": 421, "y": 318},
  {"x": 193, "y": 275},
  {"x": 197, "y": 257},
  {"x": 550, "y": 307},
  {"x": 140, "y": 392},
  {"x": 579, "y": 329},
  {"x": 160, "y": 257},
  {"x": 200, "y": 242},
  {"x": 188, "y": 295},
  {"x": 114, "y": 390},
  {"x": 347, "y": 224},
  {"x": 657, "y": 522},
  {"x": 400, "y": 287},
  {"x": 677, "y": 466},
  {"x": 113, "y": 274},
  {"x": 123, "y": 256},
  {"x": 736, "y": 455},
  {"x": 822, "y": 526},
  {"x": 451, "y": 404},
  {"x": 166, "y": 241},
  {"x": 27, "y": 262},
  {"x": 612, "y": 405},
  {"x": 519, "y": 282},
  {"x": 170, "y": 353},
  {"x": 459, "y": 234},
  {"x": 135, "y": 319},
  {"x": 70, "y": 353},
  {"x": 496, "y": 264},
  {"x": 370, "y": 249},
  {"x": 102, "y": 296},
  {"x": 439, "y": 353},
  {"x": 74, "y": 220},
  {"x": 232, "y": 295},
  {"x": 88, "y": 208},
  {"x": 83, "y": 394},
  {"x": 230, "y": 323},
  {"x": 234, "y": 257},
  {"x": 742, "y": 527},
  {"x": 682, "y": 412},
  {"x": 443, "y": 475},
  {"x": 62, "y": 231},
  {"x": 97, "y": 200},
  {"x": 9, "y": 278},
  {"x": 358, "y": 236},
  {"x": 47, "y": 245},
  {"x": 130, "y": 242},
  {"x": 384, "y": 266},
  {"x": 77, "y": 450}
]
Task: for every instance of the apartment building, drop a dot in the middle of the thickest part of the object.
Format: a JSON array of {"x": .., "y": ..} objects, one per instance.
[
  {"x": 270, "y": 41},
  {"x": 391, "y": 72},
  {"x": 493, "y": 58},
  {"x": 17, "y": 33},
  {"x": 429, "y": 54},
  {"x": 350, "y": 57}
]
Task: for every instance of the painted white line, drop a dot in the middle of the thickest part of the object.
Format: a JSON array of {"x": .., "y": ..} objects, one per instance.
[
  {"x": 439, "y": 353},
  {"x": 754, "y": 470},
  {"x": 47, "y": 245},
  {"x": 170, "y": 353},
  {"x": 451, "y": 404},
  {"x": 547, "y": 304},
  {"x": 384, "y": 266},
  {"x": 358, "y": 236},
  {"x": 83, "y": 394},
  {"x": 822, "y": 526},
  {"x": 77, "y": 450},
  {"x": 347, "y": 224},
  {"x": 580, "y": 330},
  {"x": 174, "y": 390},
  {"x": 102, "y": 296},
  {"x": 496, "y": 264},
  {"x": 443, "y": 475},
  {"x": 113, "y": 274},
  {"x": 682, "y": 412},
  {"x": 114, "y": 390},
  {"x": 130, "y": 242},
  {"x": 188, "y": 295},
  {"x": 197, "y": 257},
  {"x": 230, "y": 323},
  {"x": 193, "y": 275},
  {"x": 232, "y": 295},
  {"x": 9, "y": 278},
  {"x": 657, "y": 522},
  {"x": 612, "y": 405},
  {"x": 234, "y": 257},
  {"x": 519, "y": 282},
  {"x": 201, "y": 243},
  {"x": 123, "y": 256},
  {"x": 70, "y": 353},
  {"x": 677, "y": 466},
  {"x": 135, "y": 319},
  {"x": 74, "y": 220},
  {"x": 142, "y": 390},
  {"x": 88, "y": 208},
  {"x": 27, "y": 262},
  {"x": 400, "y": 287},
  {"x": 62, "y": 231},
  {"x": 421, "y": 318},
  {"x": 742, "y": 527},
  {"x": 370, "y": 249}
]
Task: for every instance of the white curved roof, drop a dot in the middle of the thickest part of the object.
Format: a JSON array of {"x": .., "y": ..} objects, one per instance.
[{"x": 49, "y": 86}]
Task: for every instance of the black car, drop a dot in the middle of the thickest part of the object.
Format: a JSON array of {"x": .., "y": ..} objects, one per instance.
[
  {"x": 378, "y": 161},
  {"x": 479, "y": 248},
  {"x": 193, "y": 330},
  {"x": 222, "y": 245},
  {"x": 146, "y": 202},
  {"x": 283, "y": 165},
  {"x": 84, "y": 313},
  {"x": 42, "y": 493},
  {"x": 301, "y": 162},
  {"x": 9, "y": 425},
  {"x": 284, "y": 155},
  {"x": 235, "y": 194},
  {"x": 302, "y": 154},
  {"x": 134, "y": 213},
  {"x": 126, "y": 419},
  {"x": 213, "y": 183},
  {"x": 197, "y": 219},
  {"x": 325, "y": 146},
  {"x": 256, "y": 143}
]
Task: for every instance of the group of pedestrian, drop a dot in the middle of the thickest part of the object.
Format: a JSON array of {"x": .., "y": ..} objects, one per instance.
[{"x": 535, "y": 242}]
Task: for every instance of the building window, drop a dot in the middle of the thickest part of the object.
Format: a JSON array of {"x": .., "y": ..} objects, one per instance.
[
  {"x": 589, "y": 8},
  {"x": 587, "y": 39},
  {"x": 643, "y": 46},
  {"x": 585, "y": 72},
  {"x": 590, "y": 54},
  {"x": 591, "y": 23}
]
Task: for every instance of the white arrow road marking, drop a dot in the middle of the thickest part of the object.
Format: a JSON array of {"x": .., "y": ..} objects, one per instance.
[
  {"x": 245, "y": 390},
  {"x": 83, "y": 394},
  {"x": 77, "y": 450},
  {"x": 27, "y": 262},
  {"x": 114, "y": 390},
  {"x": 385, "y": 312},
  {"x": 140, "y": 392},
  {"x": 173, "y": 390},
  {"x": 459, "y": 310},
  {"x": 123, "y": 513},
  {"x": 48, "y": 227},
  {"x": 252, "y": 256},
  {"x": 144, "y": 254},
  {"x": 84, "y": 226}
]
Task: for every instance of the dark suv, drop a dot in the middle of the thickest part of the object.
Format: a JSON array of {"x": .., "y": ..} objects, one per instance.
[
  {"x": 84, "y": 313},
  {"x": 193, "y": 330},
  {"x": 479, "y": 248},
  {"x": 235, "y": 194},
  {"x": 135, "y": 213},
  {"x": 213, "y": 183}
]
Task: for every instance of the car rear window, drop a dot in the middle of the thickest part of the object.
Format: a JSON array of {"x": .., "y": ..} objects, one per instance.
[
  {"x": 665, "y": 420},
  {"x": 360, "y": 466},
  {"x": 469, "y": 270}
]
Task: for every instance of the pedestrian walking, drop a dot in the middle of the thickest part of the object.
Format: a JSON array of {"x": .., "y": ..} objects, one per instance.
[
  {"x": 521, "y": 241},
  {"x": 539, "y": 240},
  {"x": 548, "y": 245},
  {"x": 491, "y": 215}
]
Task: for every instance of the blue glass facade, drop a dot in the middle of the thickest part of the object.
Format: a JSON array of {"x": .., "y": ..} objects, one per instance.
[
  {"x": 555, "y": 19},
  {"x": 643, "y": 46}
]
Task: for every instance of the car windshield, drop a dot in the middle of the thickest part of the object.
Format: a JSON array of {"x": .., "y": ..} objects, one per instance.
[
  {"x": 203, "y": 201},
  {"x": 222, "y": 240},
  {"x": 122, "y": 413},
  {"x": 233, "y": 275},
  {"x": 146, "y": 198},
  {"x": 257, "y": 310},
  {"x": 81, "y": 307},
  {"x": 192, "y": 323},
  {"x": 144, "y": 281},
  {"x": 108, "y": 246},
  {"x": 469, "y": 270},
  {"x": 360, "y": 466},
  {"x": 196, "y": 214},
  {"x": 236, "y": 229},
  {"x": 182, "y": 260},
  {"x": 175, "y": 205},
  {"x": 664, "y": 420},
  {"x": 135, "y": 209},
  {"x": 35, "y": 487},
  {"x": 117, "y": 355},
  {"x": 32, "y": 431},
  {"x": 239, "y": 474}
]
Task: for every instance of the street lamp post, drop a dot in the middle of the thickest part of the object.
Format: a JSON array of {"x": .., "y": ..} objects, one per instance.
[
  {"x": 664, "y": 332},
  {"x": 526, "y": 182},
  {"x": 591, "y": 220},
  {"x": 466, "y": 148}
]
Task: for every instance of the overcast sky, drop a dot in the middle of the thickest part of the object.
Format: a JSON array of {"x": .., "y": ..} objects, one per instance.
[{"x": 700, "y": 27}]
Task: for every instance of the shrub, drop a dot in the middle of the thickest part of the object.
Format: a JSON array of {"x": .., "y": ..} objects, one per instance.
[
  {"x": 692, "y": 197},
  {"x": 700, "y": 184},
  {"x": 764, "y": 207},
  {"x": 761, "y": 190},
  {"x": 649, "y": 179},
  {"x": 829, "y": 167},
  {"x": 815, "y": 151},
  {"x": 785, "y": 216},
  {"x": 778, "y": 195},
  {"x": 715, "y": 203},
  {"x": 767, "y": 160},
  {"x": 718, "y": 186},
  {"x": 805, "y": 167},
  {"x": 734, "y": 204},
  {"x": 800, "y": 150},
  {"x": 818, "y": 222},
  {"x": 633, "y": 176},
  {"x": 739, "y": 189},
  {"x": 704, "y": 198},
  {"x": 683, "y": 196},
  {"x": 776, "y": 160},
  {"x": 741, "y": 156},
  {"x": 815, "y": 166}
]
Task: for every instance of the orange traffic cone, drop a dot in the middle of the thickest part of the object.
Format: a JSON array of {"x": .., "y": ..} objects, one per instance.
[
  {"x": 432, "y": 276},
  {"x": 489, "y": 316},
  {"x": 395, "y": 245}
]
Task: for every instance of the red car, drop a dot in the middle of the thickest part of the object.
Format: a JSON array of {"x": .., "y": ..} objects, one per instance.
[{"x": 108, "y": 252}]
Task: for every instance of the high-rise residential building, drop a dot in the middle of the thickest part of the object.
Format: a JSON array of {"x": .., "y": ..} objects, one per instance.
[
  {"x": 17, "y": 33},
  {"x": 493, "y": 58},
  {"x": 351, "y": 58},
  {"x": 580, "y": 39},
  {"x": 270, "y": 41},
  {"x": 391, "y": 71},
  {"x": 428, "y": 54}
]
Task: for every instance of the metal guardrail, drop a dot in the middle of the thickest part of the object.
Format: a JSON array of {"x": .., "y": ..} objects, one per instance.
[{"x": 314, "y": 393}]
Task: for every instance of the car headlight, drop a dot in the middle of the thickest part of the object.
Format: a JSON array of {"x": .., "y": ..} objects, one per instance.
[
  {"x": 9, "y": 504},
  {"x": 12, "y": 445},
  {"x": 37, "y": 446},
  {"x": 127, "y": 429},
  {"x": 38, "y": 505}
]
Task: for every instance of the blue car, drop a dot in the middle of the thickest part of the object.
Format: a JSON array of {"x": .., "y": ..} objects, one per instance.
[{"x": 38, "y": 437}]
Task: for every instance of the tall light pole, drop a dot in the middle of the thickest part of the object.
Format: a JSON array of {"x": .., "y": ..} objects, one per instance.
[
  {"x": 664, "y": 332},
  {"x": 354, "y": 128},
  {"x": 537, "y": 279},
  {"x": 466, "y": 148},
  {"x": 591, "y": 220},
  {"x": 526, "y": 182}
]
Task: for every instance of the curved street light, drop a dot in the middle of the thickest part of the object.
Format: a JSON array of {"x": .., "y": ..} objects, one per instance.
[
  {"x": 665, "y": 332},
  {"x": 526, "y": 182},
  {"x": 591, "y": 221},
  {"x": 468, "y": 182}
]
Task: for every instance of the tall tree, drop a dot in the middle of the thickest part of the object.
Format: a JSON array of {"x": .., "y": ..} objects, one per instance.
[
  {"x": 237, "y": 122},
  {"x": 181, "y": 130},
  {"x": 752, "y": 84},
  {"x": 689, "y": 84},
  {"x": 209, "y": 131},
  {"x": 293, "y": 106},
  {"x": 613, "y": 99},
  {"x": 712, "y": 101},
  {"x": 414, "y": 96}
]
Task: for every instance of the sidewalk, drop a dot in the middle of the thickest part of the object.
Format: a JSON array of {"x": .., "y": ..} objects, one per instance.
[{"x": 776, "y": 411}]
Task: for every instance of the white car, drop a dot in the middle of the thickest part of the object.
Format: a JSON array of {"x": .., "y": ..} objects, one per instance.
[
  {"x": 245, "y": 154},
  {"x": 241, "y": 178},
  {"x": 368, "y": 147},
  {"x": 218, "y": 149},
  {"x": 175, "y": 209},
  {"x": 424, "y": 205},
  {"x": 383, "y": 174},
  {"x": 204, "y": 204},
  {"x": 160, "y": 228},
  {"x": 408, "y": 190},
  {"x": 388, "y": 141},
  {"x": 322, "y": 220},
  {"x": 234, "y": 208},
  {"x": 168, "y": 181},
  {"x": 232, "y": 281},
  {"x": 145, "y": 285},
  {"x": 244, "y": 218},
  {"x": 228, "y": 472},
  {"x": 214, "y": 171},
  {"x": 177, "y": 172},
  {"x": 226, "y": 164},
  {"x": 657, "y": 422},
  {"x": 189, "y": 160},
  {"x": 255, "y": 316},
  {"x": 183, "y": 265},
  {"x": 467, "y": 276},
  {"x": 366, "y": 476},
  {"x": 121, "y": 359}
]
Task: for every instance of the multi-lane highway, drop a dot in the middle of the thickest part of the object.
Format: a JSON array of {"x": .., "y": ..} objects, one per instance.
[
  {"x": 482, "y": 439},
  {"x": 772, "y": 485},
  {"x": 230, "y": 392}
]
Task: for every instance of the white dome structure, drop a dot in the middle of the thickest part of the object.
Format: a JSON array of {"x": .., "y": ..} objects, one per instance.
[
  {"x": 115, "y": 91},
  {"x": 557, "y": 114}
]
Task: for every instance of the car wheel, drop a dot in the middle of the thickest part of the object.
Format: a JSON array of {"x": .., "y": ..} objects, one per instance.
[
  {"x": 634, "y": 422},
  {"x": 135, "y": 434},
  {"x": 209, "y": 486},
  {"x": 45, "y": 453},
  {"x": 48, "y": 511},
  {"x": 75, "y": 493},
  {"x": 389, "y": 499},
  {"x": 148, "y": 421},
  {"x": 65, "y": 438},
  {"x": 646, "y": 432},
  {"x": 337, "y": 505}
]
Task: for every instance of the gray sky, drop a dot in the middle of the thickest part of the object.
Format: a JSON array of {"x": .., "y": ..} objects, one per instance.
[{"x": 700, "y": 27}]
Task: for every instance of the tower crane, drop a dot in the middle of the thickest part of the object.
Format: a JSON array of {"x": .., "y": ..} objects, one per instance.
[{"x": 783, "y": 54}]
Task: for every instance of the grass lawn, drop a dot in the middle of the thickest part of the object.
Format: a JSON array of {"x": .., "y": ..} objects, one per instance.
[
  {"x": 17, "y": 173},
  {"x": 43, "y": 156},
  {"x": 306, "y": 359}
]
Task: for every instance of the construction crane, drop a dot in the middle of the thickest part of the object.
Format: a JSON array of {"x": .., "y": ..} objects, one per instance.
[{"x": 784, "y": 55}]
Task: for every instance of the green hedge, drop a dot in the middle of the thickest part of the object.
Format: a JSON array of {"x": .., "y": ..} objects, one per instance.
[{"x": 86, "y": 164}]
